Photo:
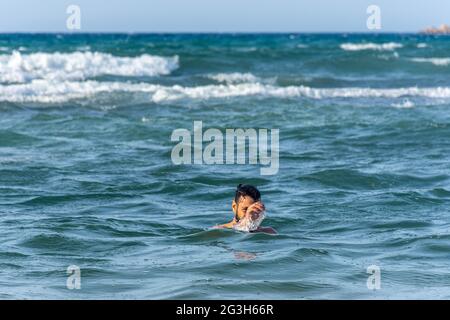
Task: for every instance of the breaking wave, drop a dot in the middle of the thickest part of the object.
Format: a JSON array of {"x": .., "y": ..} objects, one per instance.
[
  {"x": 235, "y": 77},
  {"x": 390, "y": 46},
  {"x": 42, "y": 91},
  {"x": 22, "y": 68},
  {"x": 435, "y": 61}
]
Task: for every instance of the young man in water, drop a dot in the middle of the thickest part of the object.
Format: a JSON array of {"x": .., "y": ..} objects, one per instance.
[{"x": 248, "y": 211}]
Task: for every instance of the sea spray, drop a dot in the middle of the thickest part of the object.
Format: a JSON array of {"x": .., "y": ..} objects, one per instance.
[{"x": 250, "y": 222}]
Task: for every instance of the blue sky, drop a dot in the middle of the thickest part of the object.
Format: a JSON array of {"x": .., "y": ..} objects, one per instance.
[{"x": 221, "y": 15}]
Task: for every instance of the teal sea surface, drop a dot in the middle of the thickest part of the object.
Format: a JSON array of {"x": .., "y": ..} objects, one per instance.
[{"x": 87, "y": 180}]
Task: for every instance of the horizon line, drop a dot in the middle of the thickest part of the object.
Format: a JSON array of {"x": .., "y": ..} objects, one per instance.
[{"x": 215, "y": 32}]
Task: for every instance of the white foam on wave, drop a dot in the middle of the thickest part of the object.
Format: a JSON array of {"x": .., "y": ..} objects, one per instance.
[
  {"x": 42, "y": 91},
  {"x": 248, "y": 224},
  {"x": 406, "y": 103},
  {"x": 21, "y": 68},
  {"x": 435, "y": 61},
  {"x": 258, "y": 89},
  {"x": 235, "y": 77},
  {"x": 390, "y": 46}
]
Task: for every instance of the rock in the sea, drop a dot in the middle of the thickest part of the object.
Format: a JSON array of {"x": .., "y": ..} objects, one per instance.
[{"x": 443, "y": 29}]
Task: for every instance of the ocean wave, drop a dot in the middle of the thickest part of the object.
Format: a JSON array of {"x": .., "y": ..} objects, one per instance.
[
  {"x": 390, "y": 46},
  {"x": 21, "y": 68},
  {"x": 257, "y": 89},
  {"x": 235, "y": 77},
  {"x": 84, "y": 48},
  {"x": 246, "y": 49},
  {"x": 42, "y": 91},
  {"x": 435, "y": 61},
  {"x": 404, "y": 104}
]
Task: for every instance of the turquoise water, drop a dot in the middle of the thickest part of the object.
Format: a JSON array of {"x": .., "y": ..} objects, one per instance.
[{"x": 86, "y": 176}]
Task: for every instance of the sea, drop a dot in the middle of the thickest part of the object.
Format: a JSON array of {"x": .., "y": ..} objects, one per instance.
[{"x": 92, "y": 205}]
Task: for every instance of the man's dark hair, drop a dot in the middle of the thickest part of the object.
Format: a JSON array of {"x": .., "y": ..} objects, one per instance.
[{"x": 243, "y": 190}]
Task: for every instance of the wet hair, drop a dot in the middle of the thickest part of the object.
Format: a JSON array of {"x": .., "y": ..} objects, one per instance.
[{"x": 243, "y": 190}]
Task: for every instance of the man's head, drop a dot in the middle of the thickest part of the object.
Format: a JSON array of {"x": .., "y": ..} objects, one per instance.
[{"x": 246, "y": 195}]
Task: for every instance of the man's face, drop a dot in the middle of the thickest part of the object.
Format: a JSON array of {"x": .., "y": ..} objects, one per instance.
[
  {"x": 240, "y": 209},
  {"x": 250, "y": 214}
]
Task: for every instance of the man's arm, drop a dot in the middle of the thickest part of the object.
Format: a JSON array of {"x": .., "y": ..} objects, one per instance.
[{"x": 228, "y": 225}]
